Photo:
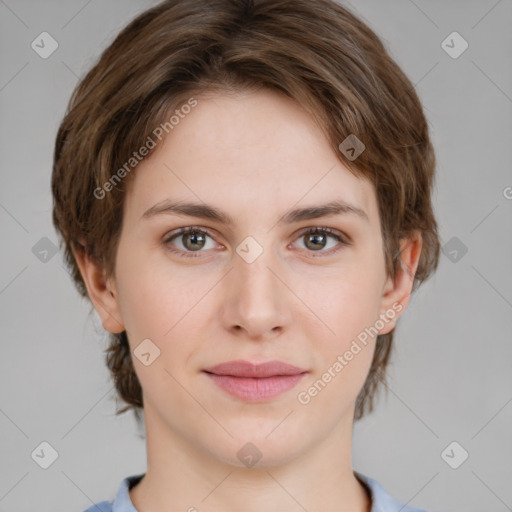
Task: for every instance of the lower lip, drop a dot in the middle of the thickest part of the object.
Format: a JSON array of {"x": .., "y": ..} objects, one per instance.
[{"x": 255, "y": 389}]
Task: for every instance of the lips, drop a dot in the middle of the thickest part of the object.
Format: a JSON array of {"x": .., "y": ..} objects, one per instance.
[
  {"x": 255, "y": 382},
  {"x": 246, "y": 369}
]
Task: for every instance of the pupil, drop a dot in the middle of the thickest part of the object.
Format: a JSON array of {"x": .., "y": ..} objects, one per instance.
[
  {"x": 194, "y": 237},
  {"x": 315, "y": 237}
]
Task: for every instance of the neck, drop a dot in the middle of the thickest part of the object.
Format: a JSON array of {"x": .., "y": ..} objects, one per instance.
[{"x": 181, "y": 475}]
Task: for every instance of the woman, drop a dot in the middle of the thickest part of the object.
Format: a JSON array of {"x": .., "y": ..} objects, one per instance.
[{"x": 243, "y": 191}]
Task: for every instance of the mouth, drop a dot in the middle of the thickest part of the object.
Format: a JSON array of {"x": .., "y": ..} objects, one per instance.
[{"x": 255, "y": 382}]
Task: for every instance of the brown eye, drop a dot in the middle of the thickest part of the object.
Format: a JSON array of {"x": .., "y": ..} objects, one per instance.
[
  {"x": 189, "y": 240},
  {"x": 193, "y": 240},
  {"x": 317, "y": 239}
]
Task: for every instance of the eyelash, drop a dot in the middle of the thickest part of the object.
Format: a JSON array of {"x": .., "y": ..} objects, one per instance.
[{"x": 311, "y": 231}]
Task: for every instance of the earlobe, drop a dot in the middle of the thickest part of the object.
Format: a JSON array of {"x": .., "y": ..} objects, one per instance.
[
  {"x": 101, "y": 291},
  {"x": 397, "y": 292}
]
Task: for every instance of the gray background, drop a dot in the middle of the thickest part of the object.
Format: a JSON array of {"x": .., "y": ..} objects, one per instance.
[{"x": 450, "y": 379}]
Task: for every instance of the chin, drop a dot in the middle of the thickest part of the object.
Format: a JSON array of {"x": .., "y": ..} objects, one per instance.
[{"x": 257, "y": 451}]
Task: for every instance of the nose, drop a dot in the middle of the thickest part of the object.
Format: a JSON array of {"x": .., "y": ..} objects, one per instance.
[{"x": 257, "y": 303}]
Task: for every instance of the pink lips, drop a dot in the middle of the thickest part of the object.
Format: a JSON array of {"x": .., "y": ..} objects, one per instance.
[{"x": 255, "y": 382}]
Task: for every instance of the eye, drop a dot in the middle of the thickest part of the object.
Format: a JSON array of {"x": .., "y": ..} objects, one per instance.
[
  {"x": 191, "y": 239},
  {"x": 316, "y": 239},
  {"x": 187, "y": 241}
]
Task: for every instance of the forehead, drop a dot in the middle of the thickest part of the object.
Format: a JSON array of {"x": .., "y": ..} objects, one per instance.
[{"x": 252, "y": 153}]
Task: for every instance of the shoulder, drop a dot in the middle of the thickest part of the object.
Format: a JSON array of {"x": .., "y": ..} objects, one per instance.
[
  {"x": 121, "y": 502},
  {"x": 104, "y": 506},
  {"x": 381, "y": 500}
]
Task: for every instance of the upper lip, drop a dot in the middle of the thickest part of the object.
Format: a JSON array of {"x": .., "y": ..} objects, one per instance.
[{"x": 241, "y": 368}]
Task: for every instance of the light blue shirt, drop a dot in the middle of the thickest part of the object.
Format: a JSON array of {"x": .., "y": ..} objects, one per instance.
[{"x": 381, "y": 500}]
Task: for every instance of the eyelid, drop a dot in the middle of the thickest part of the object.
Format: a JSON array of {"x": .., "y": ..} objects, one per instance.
[{"x": 328, "y": 231}]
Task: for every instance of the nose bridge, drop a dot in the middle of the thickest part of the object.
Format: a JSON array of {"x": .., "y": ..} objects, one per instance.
[
  {"x": 257, "y": 300},
  {"x": 255, "y": 283},
  {"x": 255, "y": 278}
]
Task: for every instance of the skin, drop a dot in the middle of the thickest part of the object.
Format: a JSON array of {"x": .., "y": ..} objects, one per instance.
[{"x": 255, "y": 156}]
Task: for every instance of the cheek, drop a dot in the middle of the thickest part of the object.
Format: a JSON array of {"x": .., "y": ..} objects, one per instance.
[
  {"x": 348, "y": 305},
  {"x": 167, "y": 305},
  {"x": 155, "y": 307},
  {"x": 347, "y": 302},
  {"x": 344, "y": 351},
  {"x": 151, "y": 299}
]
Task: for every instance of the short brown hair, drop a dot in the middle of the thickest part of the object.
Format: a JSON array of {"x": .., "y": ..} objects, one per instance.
[{"x": 314, "y": 51}]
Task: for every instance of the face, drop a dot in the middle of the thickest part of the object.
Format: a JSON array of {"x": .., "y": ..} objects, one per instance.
[{"x": 263, "y": 273}]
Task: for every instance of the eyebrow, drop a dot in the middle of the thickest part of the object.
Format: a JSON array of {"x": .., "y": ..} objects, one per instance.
[{"x": 205, "y": 211}]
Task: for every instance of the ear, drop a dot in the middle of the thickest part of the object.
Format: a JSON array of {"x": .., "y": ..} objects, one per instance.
[
  {"x": 102, "y": 292},
  {"x": 396, "y": 292}
]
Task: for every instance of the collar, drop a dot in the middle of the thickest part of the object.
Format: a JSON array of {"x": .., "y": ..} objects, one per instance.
[{"x": 380, "y": 499}]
